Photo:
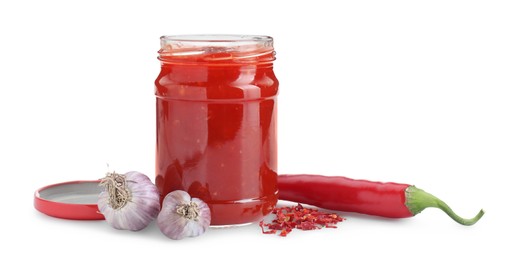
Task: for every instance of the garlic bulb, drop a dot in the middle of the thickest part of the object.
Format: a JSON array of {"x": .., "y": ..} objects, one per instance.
[
  {"x": 182, "y": 216},
  {"x": 130, "y": 201}
]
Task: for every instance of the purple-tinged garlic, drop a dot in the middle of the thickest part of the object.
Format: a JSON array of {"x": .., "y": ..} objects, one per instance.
[
  {"x": 130, "y": 201},
  {"x": 182, "y": 216}
]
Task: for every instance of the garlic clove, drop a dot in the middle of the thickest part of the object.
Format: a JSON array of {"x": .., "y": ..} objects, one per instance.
[
  {"x": 181, "y": 216},
  {"x": 130, "y": 201}
]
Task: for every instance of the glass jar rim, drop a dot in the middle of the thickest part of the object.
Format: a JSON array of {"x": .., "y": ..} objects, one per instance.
[
  {"x": 217, "y": 39},
  {"x": 216, "y": 49}
]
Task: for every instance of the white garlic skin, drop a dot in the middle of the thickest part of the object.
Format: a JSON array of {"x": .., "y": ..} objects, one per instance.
[
  {"x": 175, "y": 226},
  {"x": 137, "y": 213}
]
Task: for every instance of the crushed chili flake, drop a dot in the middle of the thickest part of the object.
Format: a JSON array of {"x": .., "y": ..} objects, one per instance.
[{"x": 288, "y": 218}]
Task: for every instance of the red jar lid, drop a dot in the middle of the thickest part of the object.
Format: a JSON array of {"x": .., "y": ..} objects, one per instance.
[{"x": 70, "y": 200}]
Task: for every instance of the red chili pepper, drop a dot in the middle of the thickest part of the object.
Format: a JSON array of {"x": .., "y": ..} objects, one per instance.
[{"x": 393, "y": 200}]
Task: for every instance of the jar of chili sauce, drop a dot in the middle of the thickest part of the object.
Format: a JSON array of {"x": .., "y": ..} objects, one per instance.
[{"x": 216, "y": 124}]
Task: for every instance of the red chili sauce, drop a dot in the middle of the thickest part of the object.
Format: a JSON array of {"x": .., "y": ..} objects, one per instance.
[{"x": 216, "y": 124}]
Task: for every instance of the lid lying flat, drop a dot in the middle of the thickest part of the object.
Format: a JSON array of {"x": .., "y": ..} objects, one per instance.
[{"x": 70, "y": 200}]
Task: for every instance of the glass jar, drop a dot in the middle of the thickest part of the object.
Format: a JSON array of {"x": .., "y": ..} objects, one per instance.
[{"x": 216, "y": 124}]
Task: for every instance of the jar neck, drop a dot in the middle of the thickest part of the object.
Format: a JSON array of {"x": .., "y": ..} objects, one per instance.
[{"x": 217, "y": 50}]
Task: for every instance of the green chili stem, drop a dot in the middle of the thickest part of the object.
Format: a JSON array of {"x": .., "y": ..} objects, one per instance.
[{"x": 417, "y": 200}]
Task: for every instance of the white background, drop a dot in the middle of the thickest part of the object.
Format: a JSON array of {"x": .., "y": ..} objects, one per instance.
[{"x": 405, "y": 91}]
